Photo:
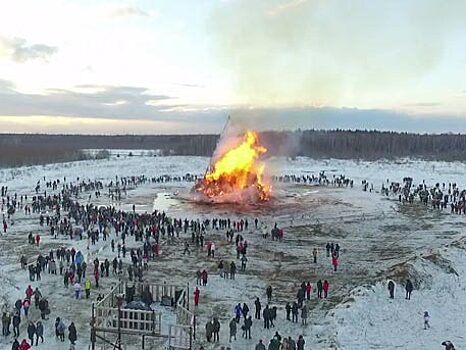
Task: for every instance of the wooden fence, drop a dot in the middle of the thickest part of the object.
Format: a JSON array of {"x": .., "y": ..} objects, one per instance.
[
  {"x": 110, "y": 316},
  {"x": 111, "y": 319},
  {"x": 179, "y": 337}
]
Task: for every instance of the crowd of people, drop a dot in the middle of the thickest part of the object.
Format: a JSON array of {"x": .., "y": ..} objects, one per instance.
[
  {"x": 21, "y": 314},
  {"x": 62, "y": 215},
  {"x": 439, "y": 196}
]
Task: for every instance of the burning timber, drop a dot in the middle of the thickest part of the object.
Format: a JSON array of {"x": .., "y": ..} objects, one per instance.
[{"x": 236, "y": 174}]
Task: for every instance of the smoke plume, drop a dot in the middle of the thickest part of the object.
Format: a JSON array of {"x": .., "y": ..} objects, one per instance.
[{"x": 321, "y": 52}]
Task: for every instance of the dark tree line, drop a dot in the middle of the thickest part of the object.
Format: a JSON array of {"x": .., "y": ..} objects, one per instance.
[
  {"x": 375, "y": 144},
  {"x": 23, "y": 149}
]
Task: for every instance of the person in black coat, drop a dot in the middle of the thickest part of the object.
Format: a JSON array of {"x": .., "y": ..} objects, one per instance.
[
  {"x": 245, "y": 310},
  {"x": 391, "y": 289},
  {"x": 266, "y": 316},
  {"x": 268, "y": 291},
  {"x": 16, "y": 322},
  {"x": 288, "y": 311},
  {"x": 39, "y": 332},
  {"x": 300, "y": 343},
  {"x": 294, "y": 311},
  {"x": 31, "y": 331},
  {"x": 319, "y": 289},
  {"x": 72, "y": 334},
  {"x": 258, "y": 305},
  {"x": 15, "y": 345},
  {"x": 247, "y": 327},
  {"x": 409, "y": 289}
]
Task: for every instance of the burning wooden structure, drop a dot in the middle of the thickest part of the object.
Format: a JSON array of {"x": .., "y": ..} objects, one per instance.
[{"x": 236, "y": 171}]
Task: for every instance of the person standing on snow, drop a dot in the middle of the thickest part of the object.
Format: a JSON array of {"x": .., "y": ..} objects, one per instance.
[
  {"x": 268, "y": 291},
  {"x": 244, "y": 260},
  {"x": 77, "y": 290},
  {"x": 31, "y": 331},
  {"x": 15, "y": 345},
  {"x": 37, "y": 297},
  {"x": 288, "y": 311},
  {"x": 247, "y": 327},
  {"x": 426, "y": 320},
  {"x": 39, "y": 332},
  {"x": 266, "y": 317},
  {"x": 260, "y": 345},
  {"x": 258, "y": 306},
  {"x": 6, "y": 320},
  {"x": 29, "y": 292},
  {"x": 204, "y": 276},
  {"x": 96, "y": 278},
  {"x": 294, "y": 312},
  {"x": 212, "y": 250},
  {"x": 72, "y": 334},
  {"x": 209, "y": 329},
  {"x": 335, "y": 262},
  {"x": 319, "y": 289},
  {"x": 233, "y": 328},
  {"x": 44, "y": 308},
  {"x": 238, "y": 312},
  {"x": 245, "y": 310},
  {"x": 59, "y": 329},
  {"x": 87, "y": 287},
  {"x": 26, "y": 305},
  {"x": 308, "y": 290},
  {"x": 326, "y": 287},
  {"x": 16, "y": 322},
  {"x": 314, "y": 255},
  {"x": 304, "y": 313},
  {"x": 391, "y": 289},
  {"x": 327, "y": 248},
  {"x": 409, "y": 289},
  {"x": 216, "y": 329},
  {"x": 232, "y": 270},
  {"x": 300, "y": 343},
  {"x": 197, "y": 294}
]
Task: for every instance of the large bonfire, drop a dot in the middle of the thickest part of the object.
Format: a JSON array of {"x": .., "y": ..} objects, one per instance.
[{"x": 237, "y": 173}]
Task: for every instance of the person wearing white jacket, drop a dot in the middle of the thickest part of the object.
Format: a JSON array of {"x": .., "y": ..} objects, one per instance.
[
  {"x": 212, "y": 249},
  {"x": 77, "y": 290}
]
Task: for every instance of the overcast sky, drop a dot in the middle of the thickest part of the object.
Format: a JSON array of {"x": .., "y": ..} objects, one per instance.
[{"x": 181, "y": 66}]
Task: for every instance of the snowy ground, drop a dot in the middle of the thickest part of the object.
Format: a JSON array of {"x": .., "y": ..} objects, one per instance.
[{"x": 380, "y": 238}]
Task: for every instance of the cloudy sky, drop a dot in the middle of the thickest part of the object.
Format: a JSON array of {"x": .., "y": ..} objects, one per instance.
[{"x": 182, "y": 66}]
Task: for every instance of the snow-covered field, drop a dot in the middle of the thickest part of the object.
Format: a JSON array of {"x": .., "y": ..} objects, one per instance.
[{"x": 380, "y": 239}]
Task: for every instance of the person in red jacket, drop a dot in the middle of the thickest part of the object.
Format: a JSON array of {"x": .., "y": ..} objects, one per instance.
[
  {"x": 197, "y": 294},
  {"x": 37, "y": 239},
  {"x": 334, "y": 262},
  {"x": 308, "y": 290},
  {"x": 96, "y": 277},
  {"x": 24, "y": 345},
  {"x": 29, "y": 292},
  {"x": 26, "y": 305},
  {"x": 204, "y": 277},
  {"x": 326, "y": 287}
]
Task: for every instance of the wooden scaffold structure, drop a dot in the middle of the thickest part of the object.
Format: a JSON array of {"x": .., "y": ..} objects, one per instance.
[{"x": 114, "y": 317}]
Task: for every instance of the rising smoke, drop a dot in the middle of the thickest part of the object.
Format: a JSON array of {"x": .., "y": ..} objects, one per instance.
[{"x": 321, "y": 52}]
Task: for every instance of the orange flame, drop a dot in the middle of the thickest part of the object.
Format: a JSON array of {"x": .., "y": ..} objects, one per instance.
[{"x": 237, "y": 169}]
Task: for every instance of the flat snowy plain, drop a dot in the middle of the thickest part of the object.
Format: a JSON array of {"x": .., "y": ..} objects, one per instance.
[{"x": 380, "y": 239}]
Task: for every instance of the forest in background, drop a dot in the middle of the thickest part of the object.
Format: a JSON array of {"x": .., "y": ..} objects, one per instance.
[{"x": 29, "y": 149}]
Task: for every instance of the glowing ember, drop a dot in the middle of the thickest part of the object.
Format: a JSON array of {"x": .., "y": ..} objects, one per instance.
[{"x": 237, "y": 171}]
